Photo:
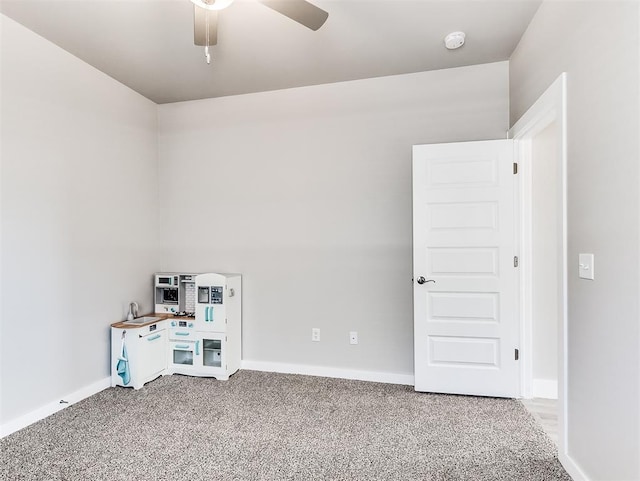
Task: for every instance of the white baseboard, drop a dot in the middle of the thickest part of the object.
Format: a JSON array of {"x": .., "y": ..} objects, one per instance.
[
  {"x": 572, "y": 468},
  {"x": 53, "y": 407},
  {"x": 373, "y": 376},
  {"x": 545, "y": 388}
]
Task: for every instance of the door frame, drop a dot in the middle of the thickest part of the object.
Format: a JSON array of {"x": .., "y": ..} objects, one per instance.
[{"x": 550, "y": 108}]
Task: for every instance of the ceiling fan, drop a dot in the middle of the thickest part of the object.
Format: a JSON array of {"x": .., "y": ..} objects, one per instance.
[{"x": 205, "y": 17}]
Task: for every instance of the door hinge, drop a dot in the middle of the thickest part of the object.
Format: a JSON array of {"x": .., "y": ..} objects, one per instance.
[
  {"x": 516, "y": 261},
  {"x": 517, "y": 354},
  {"x": 515, "y": 167}
]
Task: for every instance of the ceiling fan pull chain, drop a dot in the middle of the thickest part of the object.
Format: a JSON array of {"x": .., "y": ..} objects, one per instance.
[{"x": 206, "y": 46}]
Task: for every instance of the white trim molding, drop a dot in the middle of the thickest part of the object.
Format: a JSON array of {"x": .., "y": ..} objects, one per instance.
[
  {"x": 572, "y": 468},
  {"x": 545, "y": 388},
  {"x": 334, "y": 372},
  {"x": 53, "y": 407}
]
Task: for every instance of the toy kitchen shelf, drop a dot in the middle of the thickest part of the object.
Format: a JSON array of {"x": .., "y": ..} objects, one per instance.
[{"x": 207, "y": 344}]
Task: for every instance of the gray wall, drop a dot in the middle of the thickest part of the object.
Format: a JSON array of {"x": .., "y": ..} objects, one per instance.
[
  {"x": 307, "y": 193},
  {"x": 78, "y": 218},
  {"x": 597, "y": 44}
]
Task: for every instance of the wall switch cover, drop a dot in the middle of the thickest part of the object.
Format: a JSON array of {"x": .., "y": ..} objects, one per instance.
[
  {"x": 315, "y": 334},
  {"x": 585, "y": 266}
]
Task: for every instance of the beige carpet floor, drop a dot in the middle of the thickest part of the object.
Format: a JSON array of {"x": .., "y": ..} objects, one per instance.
[{"x": 265, "y": 426}]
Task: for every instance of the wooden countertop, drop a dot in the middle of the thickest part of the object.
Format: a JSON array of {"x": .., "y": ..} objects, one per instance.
[{"x": 160, "y": 316}]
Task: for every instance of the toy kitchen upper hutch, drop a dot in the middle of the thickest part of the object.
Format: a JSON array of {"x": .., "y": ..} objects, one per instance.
[{"x": 196, "y": 330}]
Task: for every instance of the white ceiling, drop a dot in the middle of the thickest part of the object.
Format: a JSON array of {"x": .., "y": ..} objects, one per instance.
[{"x": 148, "y": 44}]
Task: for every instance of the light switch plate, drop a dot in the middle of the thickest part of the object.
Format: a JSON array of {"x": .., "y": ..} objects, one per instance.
[{"x": 585, "y": 266}]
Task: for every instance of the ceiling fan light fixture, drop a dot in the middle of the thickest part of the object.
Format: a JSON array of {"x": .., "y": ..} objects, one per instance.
[{"x": 213, "y": 4}]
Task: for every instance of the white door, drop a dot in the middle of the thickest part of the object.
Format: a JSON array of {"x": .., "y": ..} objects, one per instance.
[{"x": 466, "y": 328}]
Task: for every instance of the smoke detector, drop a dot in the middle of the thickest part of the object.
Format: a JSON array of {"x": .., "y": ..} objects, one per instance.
[{"x": 454, "y": 40}]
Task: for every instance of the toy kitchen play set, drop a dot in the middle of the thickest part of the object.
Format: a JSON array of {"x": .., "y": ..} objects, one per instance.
[{"x": 196, "y": 330}]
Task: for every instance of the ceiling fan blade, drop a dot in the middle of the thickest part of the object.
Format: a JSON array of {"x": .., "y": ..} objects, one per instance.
[
  {"x": 300, "y": 11},
  {"x": 200, "y": 26}
]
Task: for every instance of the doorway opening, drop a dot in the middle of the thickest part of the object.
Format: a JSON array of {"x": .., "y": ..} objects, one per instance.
[
  {"x": 544, "y": 263},
  {"x": 540, "y": 137},
  {"x": 542, "y": 400}
]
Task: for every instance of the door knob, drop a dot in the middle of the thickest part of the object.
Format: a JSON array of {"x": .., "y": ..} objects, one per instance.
[{"x": 422, "y": 280}]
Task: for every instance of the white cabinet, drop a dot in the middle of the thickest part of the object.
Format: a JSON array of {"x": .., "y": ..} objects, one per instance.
[
  {"x": 203, "y": 354},
  {"x": 144, "y": 357},
  {"x": 218, "y": 322},
  {"x": 153, "y": 354},
  {"x": 209, "y": 346}
]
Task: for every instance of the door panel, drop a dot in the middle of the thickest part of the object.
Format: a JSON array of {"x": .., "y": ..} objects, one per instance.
[
  {"x": 466, "y": 322},
  {"x": 451, "y": 261},
  {"x": 463, "y": 306},
  {"x": 459, "y": 351}
]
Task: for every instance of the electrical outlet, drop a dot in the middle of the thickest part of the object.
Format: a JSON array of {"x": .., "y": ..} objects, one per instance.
[
  {"x": 353, "y": 337},
  {"x": 315, "y": 334}
]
